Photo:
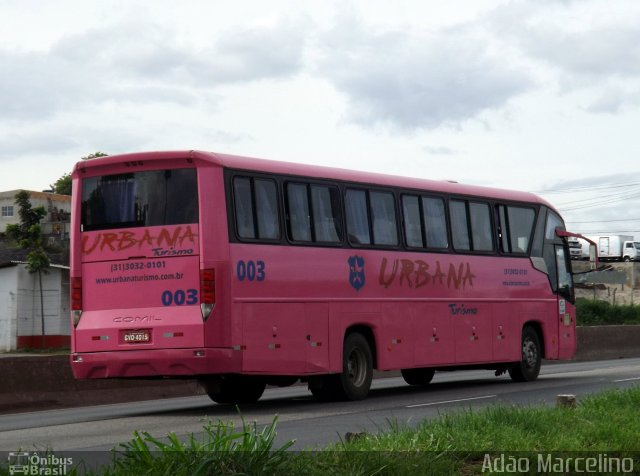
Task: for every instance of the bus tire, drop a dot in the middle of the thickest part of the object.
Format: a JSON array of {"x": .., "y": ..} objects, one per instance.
[
  {"x": 421, "y": 376},
  {"x": 528, "y": 368},
  {"x": 357, "y": 367},
  {"x": 326, "y": 388},
  {"x": 233, "y": 389}
]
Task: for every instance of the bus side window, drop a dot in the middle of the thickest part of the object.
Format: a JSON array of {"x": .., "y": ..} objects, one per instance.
[
  {"x": 412, "y": 222},
  {"x": 435, "y": 220},
  {"x": 481, "y": 226},
  {"x": 520, "y": 228},
  {"x": 244, "y": 207},
  {"x": 383, "y": 215},
  {"x": 327, "y": 216},
  {"x": 314, "y": 213},
  {"x": 267, "y": 209},
  {"x": 471, "y": 226},
  {"x": 538, "y": 235},
  {"x": 459, "y": 225},
  {"x": 503, "y": 230},
  {"x": 298, "y": 210},
  {"x": 256, "y": 208},
  {"x": 516, "y": 228},
  {"x": 357, "y": 217},
  {"x": 553, "y": 222}
]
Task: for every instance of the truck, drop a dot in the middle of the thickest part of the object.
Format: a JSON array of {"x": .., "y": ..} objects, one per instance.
[
  {"x": 576, "y": 248},
  {"x": 616, "y": 247}
]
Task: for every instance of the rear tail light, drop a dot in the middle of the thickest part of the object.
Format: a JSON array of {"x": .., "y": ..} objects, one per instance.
[
  {"x": 76, "y": 300},
  {"x": 207, "y": 291},
  {"x": 76, "y": 294}
]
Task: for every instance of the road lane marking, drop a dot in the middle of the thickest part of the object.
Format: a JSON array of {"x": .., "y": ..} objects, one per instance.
[
  {"x": 450, "y": 401},
  {"x": 627, "y": 379}
]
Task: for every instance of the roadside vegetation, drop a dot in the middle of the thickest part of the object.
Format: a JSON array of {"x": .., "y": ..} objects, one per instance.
[
  {"x": 602, "y": 313},
  {"x": 457, "y": 443}
]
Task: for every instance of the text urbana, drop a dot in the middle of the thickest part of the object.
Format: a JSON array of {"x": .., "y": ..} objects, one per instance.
[
  {"x": 418, "y": 273},
  {"x": 166, "y": 242}
]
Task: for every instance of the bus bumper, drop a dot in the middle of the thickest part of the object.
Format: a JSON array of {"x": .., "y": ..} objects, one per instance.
[{"x": 155, "y": 363}]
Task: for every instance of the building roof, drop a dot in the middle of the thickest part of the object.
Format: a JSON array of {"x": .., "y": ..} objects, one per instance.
[
  {"x": 9, "y": 253},
  {"x": 55, "y": 197},
  {"x": 8, "y": 264}
]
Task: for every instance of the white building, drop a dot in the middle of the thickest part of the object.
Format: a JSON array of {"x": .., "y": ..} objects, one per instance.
[
  {"x": 58, "y": 207},
  {"x": 20, "y": 310}
]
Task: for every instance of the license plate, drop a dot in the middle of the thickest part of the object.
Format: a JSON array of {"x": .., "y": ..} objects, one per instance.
[{"x": 137, "y": 336}]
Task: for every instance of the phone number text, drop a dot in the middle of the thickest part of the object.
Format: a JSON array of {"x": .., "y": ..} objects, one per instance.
[{"x": 138, "y": 265}]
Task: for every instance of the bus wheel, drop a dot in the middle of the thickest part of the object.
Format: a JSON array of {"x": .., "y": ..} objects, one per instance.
[
  {"x": 357, "y": 372},
  {"x": 357, "y": 367},
  {"x": 326, "y": 388},
  {"x": 234, "y": 388},
  {"x": 528, "y": 368},
  {"x": 418, "y": 376}
]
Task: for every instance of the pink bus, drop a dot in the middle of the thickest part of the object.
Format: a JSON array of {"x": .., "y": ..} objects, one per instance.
[{"x": 244, "y": 273}]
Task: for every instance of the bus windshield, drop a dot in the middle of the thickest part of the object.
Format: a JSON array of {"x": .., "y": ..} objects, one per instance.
[{"x": 150, "y": 198}]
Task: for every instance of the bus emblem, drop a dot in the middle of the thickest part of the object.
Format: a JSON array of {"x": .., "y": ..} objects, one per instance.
[{"x": 356, "y": 272}]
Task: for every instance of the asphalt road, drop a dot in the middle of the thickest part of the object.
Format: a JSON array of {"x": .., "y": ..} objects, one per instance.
[{"x": 300, "y": 417}]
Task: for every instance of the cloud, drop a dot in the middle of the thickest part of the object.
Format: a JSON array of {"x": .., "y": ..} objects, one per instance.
[
  {"x": 144, "y": 64},
  {"x": 597, "y": 196},
  {"x": 148, "y": 52},
  {"x": 597, "y": 181},
  {"x": 611, "y": 100},
  {"x": 22, "y": 143},
  {"x": 34, "y": 84},
  {"x": 417, "y": 79},
  {"x": 583, "y": 46},
  {"x": 255, "y": 53},
  {"x": 434, "y": 150},
  {"x": 38, "y": 85},
  {"x": 66, "y": 138},
  {"x": 596, "y": 53}
]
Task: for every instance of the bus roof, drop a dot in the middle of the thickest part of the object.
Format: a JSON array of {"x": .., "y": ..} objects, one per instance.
[{"x": 315, "y": 171}]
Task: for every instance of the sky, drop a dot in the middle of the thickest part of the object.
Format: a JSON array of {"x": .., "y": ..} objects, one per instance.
[{"x": 533, "y": 95}]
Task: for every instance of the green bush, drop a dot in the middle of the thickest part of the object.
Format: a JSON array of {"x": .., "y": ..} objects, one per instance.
[
  {"x": 601, "y": 313},
  {"x": 222, "y": 449}
]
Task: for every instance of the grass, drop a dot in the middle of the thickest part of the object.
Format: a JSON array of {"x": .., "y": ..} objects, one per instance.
[
  {"x": 222, "y": 447},
  {"x": 602, "y": 313},
  {"x": 455, "y": 443}
]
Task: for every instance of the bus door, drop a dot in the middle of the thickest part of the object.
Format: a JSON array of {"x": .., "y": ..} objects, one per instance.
[{"x": 566, "y": 311}]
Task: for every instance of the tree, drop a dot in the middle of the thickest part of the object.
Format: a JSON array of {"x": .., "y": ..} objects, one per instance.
[
  {"x": 28, "y": 236},
  {"x": 94, "y": 155},
  {"x": 63, "y": 184}
]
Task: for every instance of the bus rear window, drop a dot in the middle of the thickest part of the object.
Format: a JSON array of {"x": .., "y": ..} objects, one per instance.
[{"x": 150, "y": 198}]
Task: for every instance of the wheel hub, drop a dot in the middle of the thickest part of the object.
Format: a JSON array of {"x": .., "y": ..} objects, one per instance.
[
  {"x": 529, "y": 353},
  {"x": 356, "y": 367}
]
